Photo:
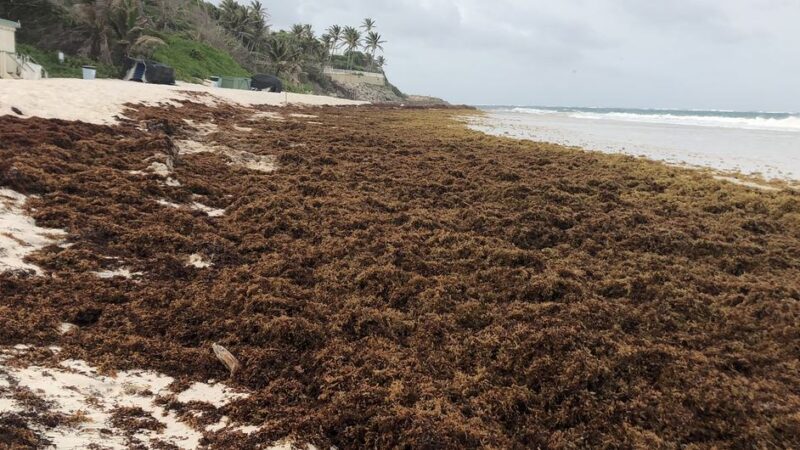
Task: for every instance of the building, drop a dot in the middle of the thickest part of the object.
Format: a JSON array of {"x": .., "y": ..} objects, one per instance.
[
  {"x": 355, "y": 76},
  {"x": 13, "y": 65}
]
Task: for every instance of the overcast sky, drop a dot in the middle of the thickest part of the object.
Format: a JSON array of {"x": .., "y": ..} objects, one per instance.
[{"x": 709, "y": 54}]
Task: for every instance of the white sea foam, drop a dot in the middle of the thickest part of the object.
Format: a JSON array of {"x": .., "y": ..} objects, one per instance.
[{"x": 750, "y": 122}]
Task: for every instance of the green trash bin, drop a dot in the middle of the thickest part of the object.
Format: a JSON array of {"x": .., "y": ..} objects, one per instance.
[{"x": 235, "y": 83}]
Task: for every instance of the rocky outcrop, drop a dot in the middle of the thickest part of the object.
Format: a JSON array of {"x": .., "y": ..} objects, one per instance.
[{"x": 367, "y": 92}]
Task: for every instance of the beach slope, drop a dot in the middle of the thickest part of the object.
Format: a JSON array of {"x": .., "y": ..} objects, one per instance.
[{"x": 386, "y": 278}]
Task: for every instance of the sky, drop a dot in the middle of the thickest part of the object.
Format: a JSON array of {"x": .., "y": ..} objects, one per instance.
[{"x": 685, "y": 54}]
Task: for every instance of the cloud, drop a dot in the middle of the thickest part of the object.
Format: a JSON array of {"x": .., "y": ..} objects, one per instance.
[{"x": 736, "y": 54}]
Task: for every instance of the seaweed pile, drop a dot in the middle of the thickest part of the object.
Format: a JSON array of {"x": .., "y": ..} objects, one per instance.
[{"x": 402, "y": 282}]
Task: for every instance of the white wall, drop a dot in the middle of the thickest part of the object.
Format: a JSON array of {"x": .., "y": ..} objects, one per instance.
[
  {"x": 355, "y": 76},
  {"x": 7, "y": 39}
]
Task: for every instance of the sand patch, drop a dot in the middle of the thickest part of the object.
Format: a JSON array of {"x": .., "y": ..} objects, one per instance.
[
  {"x": 168, "y": 204},
  {"x": 303, "y": 116},
  {"x": 74, "y": 389},
  {"x": 204, "y": 128},
  {"x": 251, "y": 161},
  {"x": 159, "y": 169},
  {"x": 241, "y": 158},
  {"x": 217, "y": 394},
  {"x": 19, "y": 235},
  {"x": 268, "y": 115},
  {"x": 196, "y": 260},
  {"x": 745, "y": 183},
  {"x": 121, "y": 273},
  {"x": 212, "y": 212},
  {"x": 65, "y": 327},
  {"x": 190, "y": 147}
]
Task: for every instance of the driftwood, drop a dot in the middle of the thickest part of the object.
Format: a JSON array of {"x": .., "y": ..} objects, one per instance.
[{"x": 226, "y": 358}]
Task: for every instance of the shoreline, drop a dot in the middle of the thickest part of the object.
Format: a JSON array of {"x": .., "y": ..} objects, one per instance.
[
  {"x": 654, "y": 141},
  {"x": 101, "y": 101},
  {"x": 386, "y": 276}
]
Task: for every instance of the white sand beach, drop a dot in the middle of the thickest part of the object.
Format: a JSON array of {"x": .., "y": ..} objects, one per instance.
[{"x": 99, "y": 101}]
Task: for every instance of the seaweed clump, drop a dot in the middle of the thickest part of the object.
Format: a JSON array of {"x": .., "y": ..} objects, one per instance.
[{"x": 402, "y": 282}]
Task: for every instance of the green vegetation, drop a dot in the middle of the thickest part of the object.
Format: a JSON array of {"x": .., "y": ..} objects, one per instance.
[
  {"x": 72, "y": 64},
  {"x": 196, "y": 37},
  {"x": 194, "y": 61}
]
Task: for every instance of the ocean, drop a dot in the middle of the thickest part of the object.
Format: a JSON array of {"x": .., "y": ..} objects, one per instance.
[{"x": 752, "y": 143}]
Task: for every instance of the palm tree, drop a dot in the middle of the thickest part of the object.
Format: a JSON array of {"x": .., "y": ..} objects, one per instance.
[
  {"x": 303, "y": 31},
  {"x": 258, "y": 24},
  {"x": 297, "y": 30},
  {"x": 112, "y": 28},
  {"x": 227, "y": 9},
  {"x": 144, "y": 46},
  {"x": 368, "y": 24},
  {"x": 352, "y": 38},
  {"x": 308, "y": 31},
  {"x": 372, "y": 43},
  {"x": 335, "y": 32},
  {"x": 381, "y": 62},
  {"x": 283, "y": 54},
  {"x": 93, "y": 19},
  {"x": 237, "y": 20},
  {"x": 327, "y": 42}
]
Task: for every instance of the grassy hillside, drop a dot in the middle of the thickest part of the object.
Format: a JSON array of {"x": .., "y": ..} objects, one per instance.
[
  {"x": 194, "y": 61},
  {"x": 72, "y": 64}
]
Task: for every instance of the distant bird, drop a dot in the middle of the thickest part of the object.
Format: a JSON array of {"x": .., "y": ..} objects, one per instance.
[
  {"x": 226, "y": 357},
  {"x": 16, "y": 110}
]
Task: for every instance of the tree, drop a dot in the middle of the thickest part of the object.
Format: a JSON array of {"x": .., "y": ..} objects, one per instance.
[
  {"x": 111, "y": 28},
  {"x": 283, "y": 54},
  {"x": 92, "y": 16},
  {"x": 372, "y": 43},
  {"x": 327, "y": 42},
  {"x": 144, "y": 46},
  {"x": 368, "y": 24},
  {"x": 381, "y": 62},
  {"x": 258, "y": 24},
  {"x": 228, "y": 8},
  {"x": 335, "y": 32},
  {"x": 352, "y": 38}
]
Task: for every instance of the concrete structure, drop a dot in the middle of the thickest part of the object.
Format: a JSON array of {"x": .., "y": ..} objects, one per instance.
[
  {"x": 355, "y": 76},
  {"x": 234, "y": 83},
  {"x": 12, "y": 65},
  {"x": 8, "y": 48}
]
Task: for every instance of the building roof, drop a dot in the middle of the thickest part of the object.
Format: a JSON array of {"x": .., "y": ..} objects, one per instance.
[{"x": 9, "y": 23}]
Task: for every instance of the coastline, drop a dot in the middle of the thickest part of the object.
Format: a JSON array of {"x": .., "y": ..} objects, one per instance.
[
  {"x": 763, "y": 156},
  {"x": 101, "y": 101},
  {"x": 388, "y": 277}
]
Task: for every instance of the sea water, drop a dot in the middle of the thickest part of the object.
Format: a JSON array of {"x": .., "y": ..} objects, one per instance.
[{"x": 760, "y": 143}]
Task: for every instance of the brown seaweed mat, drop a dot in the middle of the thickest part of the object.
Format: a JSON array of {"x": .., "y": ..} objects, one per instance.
[{"x": 402, "y": 282}]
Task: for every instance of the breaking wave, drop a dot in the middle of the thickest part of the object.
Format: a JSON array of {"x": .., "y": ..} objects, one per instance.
[{"x": 720, "y": 119}]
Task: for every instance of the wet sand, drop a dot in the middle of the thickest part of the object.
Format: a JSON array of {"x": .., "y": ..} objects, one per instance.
[
  {"x": 767, "y": 153},
  {"x": 397, "y": 280}
]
